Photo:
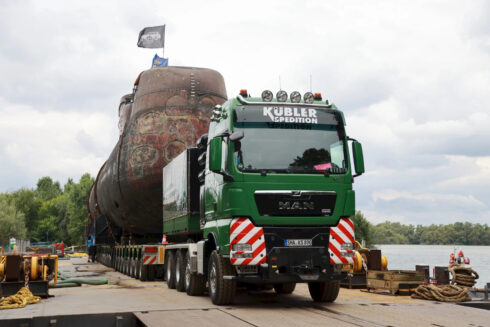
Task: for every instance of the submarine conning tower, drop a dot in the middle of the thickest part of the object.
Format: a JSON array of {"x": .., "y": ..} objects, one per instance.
[{"x": 169, "y": 109}]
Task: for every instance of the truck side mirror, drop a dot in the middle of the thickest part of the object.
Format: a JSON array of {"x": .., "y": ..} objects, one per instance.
[
  {"x": 215, "y": 154},
  {"x": 358, "y": 158},
  {"x": 236, "y": 136}
]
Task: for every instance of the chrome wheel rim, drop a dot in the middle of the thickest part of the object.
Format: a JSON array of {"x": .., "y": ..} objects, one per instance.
[
  {"x": 187, "y": 274},
  {"x": 177, "y": 271},
  {"x": 212, "y": 278},
  {"x": 168, "y": 272}
]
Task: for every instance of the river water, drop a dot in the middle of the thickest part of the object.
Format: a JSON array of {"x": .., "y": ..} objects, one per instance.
[{"x": 407, "y": 256}]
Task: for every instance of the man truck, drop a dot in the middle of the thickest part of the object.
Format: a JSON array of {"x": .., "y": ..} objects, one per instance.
[{"x": 263, "y": 199}]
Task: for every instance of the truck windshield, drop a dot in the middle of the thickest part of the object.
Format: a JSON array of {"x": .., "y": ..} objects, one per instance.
[{"x": 290, "y": 148}]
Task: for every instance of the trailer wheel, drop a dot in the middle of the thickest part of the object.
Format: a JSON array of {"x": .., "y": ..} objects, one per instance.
[
  {"x": 170, "y": 269},
  {"x": 124, "y": 269},
  {"x": 180, "y": 272},
  {"x": 138, "y": 269},
  {"x": 135, "y": 268},
  {"x": 194, "y": 283},
  {"x": 324, "y": 291},
  {"x": 131, "y": 268},
  {"x": 285, "y": 288},
  {"x": 222, "y": 291}
]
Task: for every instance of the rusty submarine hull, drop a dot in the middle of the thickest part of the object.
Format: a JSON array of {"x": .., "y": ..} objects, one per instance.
[{"x": 169, "y": 109}]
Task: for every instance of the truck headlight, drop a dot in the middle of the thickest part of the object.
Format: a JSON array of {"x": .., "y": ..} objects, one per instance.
[
  {"x": 241, "y": 247},
  {"x": 347, "y": 246}
]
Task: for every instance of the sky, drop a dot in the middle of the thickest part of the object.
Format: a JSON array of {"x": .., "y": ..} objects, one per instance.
[{"x": 412, "y": 78}]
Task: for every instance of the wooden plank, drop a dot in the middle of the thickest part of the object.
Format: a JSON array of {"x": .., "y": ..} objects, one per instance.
[{"x": 199, "y": 317}]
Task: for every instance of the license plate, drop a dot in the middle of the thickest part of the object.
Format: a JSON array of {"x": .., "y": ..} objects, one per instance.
[{"x": 297, "y": 242}]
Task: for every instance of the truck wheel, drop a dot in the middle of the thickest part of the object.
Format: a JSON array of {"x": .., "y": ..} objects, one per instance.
[
  {"x": 180, "y": 272},
  {"x": 285, "y": 288},
  {"x": 324, "y": 291},
  {"x": 125, "y": 266},
  {"x": 222, "y": 291},
  {"x": 138, "y": 269},
  {"x": 132, "y": 273},
  {"x": 194, "y": 283},
  {"x": 170, "y": 269}
]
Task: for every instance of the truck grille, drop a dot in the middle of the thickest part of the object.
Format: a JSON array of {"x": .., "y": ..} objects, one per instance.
[{"x": 295, "y": 203}]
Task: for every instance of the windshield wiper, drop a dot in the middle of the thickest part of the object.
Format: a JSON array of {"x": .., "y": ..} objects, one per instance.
[
  {"x": 326, "y": 172},
  {"x": 264, "y": 172}
]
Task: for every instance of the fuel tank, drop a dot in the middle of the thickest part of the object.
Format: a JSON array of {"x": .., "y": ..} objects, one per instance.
[{"x": 169, "y": 109}]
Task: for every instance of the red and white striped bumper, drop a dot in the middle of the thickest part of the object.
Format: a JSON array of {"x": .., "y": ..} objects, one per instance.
[
  {"x": 247, "y": 243},
  {"x": 342, "y": 233}
]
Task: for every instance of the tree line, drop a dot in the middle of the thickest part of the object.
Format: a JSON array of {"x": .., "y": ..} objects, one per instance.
[
  {"x": 47, "y": 213},
  {"x": 50, "y": 213},
  {"x": 459, "y": 233}
]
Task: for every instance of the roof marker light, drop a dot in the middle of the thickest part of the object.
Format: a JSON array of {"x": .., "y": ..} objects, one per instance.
[
  {"x": 295, "y": 97},
  {"x": 308, "y": 97},
  {"x": 267, "y": 96},
  {"x": 282, "y": 96}
]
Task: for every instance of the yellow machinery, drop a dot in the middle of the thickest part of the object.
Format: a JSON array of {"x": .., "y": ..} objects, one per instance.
[
  {"x": 361, "y": 260},
  {"x": 364, "y": 260},
  {"x": 39, "y": 271}
]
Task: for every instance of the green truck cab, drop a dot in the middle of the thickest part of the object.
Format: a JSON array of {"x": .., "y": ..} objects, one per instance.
[{"x": 267, "y": 195}]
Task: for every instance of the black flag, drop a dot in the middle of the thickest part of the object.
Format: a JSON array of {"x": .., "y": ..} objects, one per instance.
[{"x": 152, "y": 37}]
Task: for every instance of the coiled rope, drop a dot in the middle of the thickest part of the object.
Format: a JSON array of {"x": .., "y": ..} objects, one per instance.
[
  {"x": 445, "y": 293},
  {"x": 462, "y": 279},
  {"x": 463, "y": 276},
  {"x": 19, "y": 300}
]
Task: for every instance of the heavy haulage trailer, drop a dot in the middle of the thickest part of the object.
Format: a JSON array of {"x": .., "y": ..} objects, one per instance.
[{"x": 262, "y": 199}]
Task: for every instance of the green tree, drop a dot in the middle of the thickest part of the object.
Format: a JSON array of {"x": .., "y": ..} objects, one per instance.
[
  {"x": 47, "y": 189},
  {"x": 77, "y": 208},
  {"x": 27, "y": 202},
  {"x": 63, "y": 218},
  {"x": 388, "y": 233},
  {"x": 11, "y": 219},
  {"x": 47, "y": 229},
  {"x": 362, "y": 228}
]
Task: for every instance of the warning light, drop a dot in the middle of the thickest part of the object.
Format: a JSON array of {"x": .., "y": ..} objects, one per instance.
[
  {"x": 318, "y": 96},
  {"x": 244, "y": 93}
]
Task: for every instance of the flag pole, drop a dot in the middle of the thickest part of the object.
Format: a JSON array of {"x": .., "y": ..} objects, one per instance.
[{"x": 163, "y": 43}]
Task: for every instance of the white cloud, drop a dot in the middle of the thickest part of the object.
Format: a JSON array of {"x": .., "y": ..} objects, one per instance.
[
  {"x": 413, "y": 78},
  {"x": 48, "y": 143}
]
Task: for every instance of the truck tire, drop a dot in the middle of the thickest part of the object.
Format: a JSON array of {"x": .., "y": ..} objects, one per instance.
[
  {"x": 170, "y": 269},
  {"x": 285, "y": 288},
  {"x": 180, "y": 272},
  {"x": 324, "y": 291},
  {"x": 222, "y": 291},
  {"x": 124, "y": 268},
  {"x": 194, "y": 283},
  {"x": 138, "y": 269}
]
